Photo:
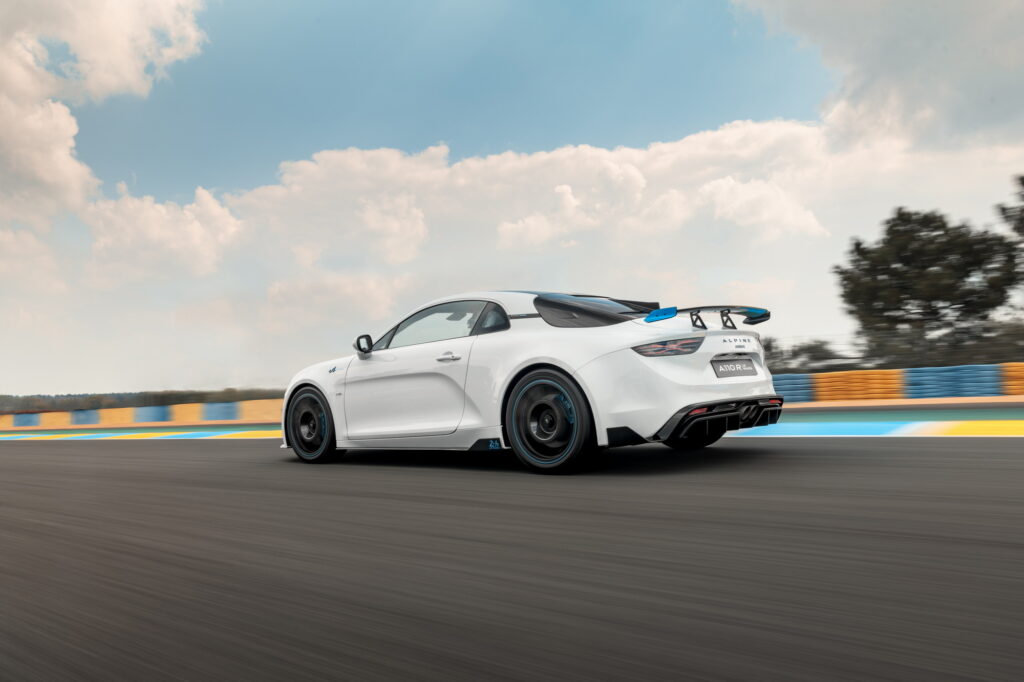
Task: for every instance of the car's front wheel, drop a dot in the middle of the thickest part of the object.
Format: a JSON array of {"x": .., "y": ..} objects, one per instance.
[
  {"x": 547, "y": 421},
  {"x": 310, "y": 426}
]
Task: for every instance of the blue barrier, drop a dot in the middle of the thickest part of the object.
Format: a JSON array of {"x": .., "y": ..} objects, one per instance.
[
  {"x": 954, "y": 382},
  {"x": 979, "y": 380},
  {"x": 82, "y": 417},
  {"x": 929, "y": 382},
  {"x": 26, "y": 419},
  {"x": 220, "y": 411},
  {"x": 795, "y": 388},
  {"x": 153, "y": 413}
]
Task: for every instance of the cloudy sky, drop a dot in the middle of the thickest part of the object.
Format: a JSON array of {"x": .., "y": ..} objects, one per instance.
[{"x": 216, "y": 195}]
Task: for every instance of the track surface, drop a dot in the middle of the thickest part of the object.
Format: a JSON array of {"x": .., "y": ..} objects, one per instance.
[{"x": 802, "y": 559}]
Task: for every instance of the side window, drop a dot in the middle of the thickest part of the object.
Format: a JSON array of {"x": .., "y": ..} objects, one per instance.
[
  {"x": 494, "y": 319},
  {"x": 446, "y": 321},
  {"x": 383, "y": 341}
]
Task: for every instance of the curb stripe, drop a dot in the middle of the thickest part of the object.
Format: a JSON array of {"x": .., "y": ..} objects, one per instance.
[
  {"x": 981, "y": 427},
  {"x": 144, "y": 435}
]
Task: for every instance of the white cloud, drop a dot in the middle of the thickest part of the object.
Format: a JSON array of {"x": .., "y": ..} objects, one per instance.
[
  {"x": 28, "y": 265},
  {"x": 39, "y": 173},
  {"x": 114, "y": 47},
  {"x": 938, "y": 70},
  {"x": 739, "y": 291},
  {"x": 538, "y": 229},
  {"x": 760, "y": 204},
  {"x": 134, "y": 237},
  {"x": 665, "y": 213},
  {"x": 317, "y": 299},
  {"x": 398, "y": 224}
]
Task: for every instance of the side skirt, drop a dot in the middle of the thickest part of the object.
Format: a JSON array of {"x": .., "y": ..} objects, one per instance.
[{"x": 468, "y": 439}]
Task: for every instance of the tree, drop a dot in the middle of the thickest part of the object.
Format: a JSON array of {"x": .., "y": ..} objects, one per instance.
[
  {"x": 813, "y": 352},
  {"x": 927, "y": 289},
  {"x": 1014, "y": 215},
  {"x": 806, "y": 356}
]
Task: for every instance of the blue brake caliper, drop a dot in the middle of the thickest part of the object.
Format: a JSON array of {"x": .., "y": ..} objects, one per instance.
[{"x": 570, "y": 413}]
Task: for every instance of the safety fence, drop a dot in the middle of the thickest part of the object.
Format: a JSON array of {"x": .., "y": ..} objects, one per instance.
[
  {"x": 961, "y": 381},
  {"x": 242, "y": 412}
]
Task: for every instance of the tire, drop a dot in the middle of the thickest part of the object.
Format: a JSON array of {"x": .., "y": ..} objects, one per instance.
[
  {"x": 310, "y": 426},
  {"x": 548, "y": 421},
  {"x": 698, "y": 441}
]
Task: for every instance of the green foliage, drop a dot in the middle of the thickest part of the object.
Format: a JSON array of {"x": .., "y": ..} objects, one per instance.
[
  {"x": 927, "y": 290},
  {"x": 805, "y": 356},
  {"x": 1013, "y": 216}
]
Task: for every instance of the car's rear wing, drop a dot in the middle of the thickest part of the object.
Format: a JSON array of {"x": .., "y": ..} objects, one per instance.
[{"x": 750, "y": 314}]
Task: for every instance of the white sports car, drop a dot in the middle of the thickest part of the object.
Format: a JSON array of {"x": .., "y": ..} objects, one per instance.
[{"x": 548, "y": 375}]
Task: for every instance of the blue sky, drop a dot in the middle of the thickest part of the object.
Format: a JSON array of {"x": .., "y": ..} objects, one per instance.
[
  {"x": 298, "y": 173},
  {"x": 279, "y": 81}
]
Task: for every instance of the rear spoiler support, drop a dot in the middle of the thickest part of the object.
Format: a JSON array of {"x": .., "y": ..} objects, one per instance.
[{"x": 750, "y": 314}]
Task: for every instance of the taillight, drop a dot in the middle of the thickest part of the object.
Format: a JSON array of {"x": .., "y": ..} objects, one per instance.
[{"x": 673, "y": 347}]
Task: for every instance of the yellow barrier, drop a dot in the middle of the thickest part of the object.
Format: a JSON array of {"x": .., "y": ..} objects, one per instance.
[
  {"x": 116, "y": 416},
  {"x": 865, "y": 384},
  {"x": 1013, "y": 378},
  {"x": 187, "y": 413},
  {"x": 6, "y": 421},
  {"x": 54, "y": 420},
  {"x": 260, "y": 410}
]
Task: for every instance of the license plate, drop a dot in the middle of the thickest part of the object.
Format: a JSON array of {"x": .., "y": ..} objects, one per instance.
[{"x": 740, "y": 367}]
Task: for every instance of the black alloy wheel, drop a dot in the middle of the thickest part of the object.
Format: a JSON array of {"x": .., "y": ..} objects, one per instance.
[
  {"x": 310, "y": 426},
  {"x": 547, "y": 421}
]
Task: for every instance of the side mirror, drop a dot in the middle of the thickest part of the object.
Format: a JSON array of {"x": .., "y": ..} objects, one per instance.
[{"x": 363, "y": 344}]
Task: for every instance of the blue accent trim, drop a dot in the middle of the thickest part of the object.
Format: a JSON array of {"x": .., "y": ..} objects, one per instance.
[{"x": 661, "y": 314}]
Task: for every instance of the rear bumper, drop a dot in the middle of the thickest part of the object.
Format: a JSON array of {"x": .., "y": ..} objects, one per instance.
[
  {"x": 735, "y": 414},
  {"x": 629, "y": 391}
]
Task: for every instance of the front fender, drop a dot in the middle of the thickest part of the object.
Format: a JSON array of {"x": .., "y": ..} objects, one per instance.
[{"x": 328, "y": 378}]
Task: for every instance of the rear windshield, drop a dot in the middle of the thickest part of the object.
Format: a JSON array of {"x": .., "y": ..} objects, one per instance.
[{"x": 566, "y": 310}]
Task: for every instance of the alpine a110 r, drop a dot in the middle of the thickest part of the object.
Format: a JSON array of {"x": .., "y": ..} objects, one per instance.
[{"x": 551, "y": 376}]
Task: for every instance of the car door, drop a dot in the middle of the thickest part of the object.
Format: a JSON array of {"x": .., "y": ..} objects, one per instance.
[{"x": 413, "y": 384}]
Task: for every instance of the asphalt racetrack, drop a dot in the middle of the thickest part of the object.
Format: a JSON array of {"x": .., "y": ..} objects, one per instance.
[{"x": 796, "y": 559}]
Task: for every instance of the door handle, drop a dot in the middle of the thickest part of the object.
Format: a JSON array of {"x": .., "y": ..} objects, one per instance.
[{"x": 449, "y": 357}]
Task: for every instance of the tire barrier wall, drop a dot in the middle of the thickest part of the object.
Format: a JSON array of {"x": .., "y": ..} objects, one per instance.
[
  {"x": 795, "y": 388},
  {"x": 244, "y": 412},
  {"x": 867, "y": 384},
  {"x": 961, "y": 381}
]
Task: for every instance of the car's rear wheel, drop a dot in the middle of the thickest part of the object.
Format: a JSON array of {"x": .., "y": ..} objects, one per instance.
[
  {"x": 548, "y": 422},
  {"x": 310, "y": 426},
  {"x": 696, "y": 439}
]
